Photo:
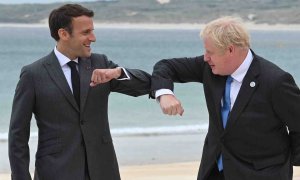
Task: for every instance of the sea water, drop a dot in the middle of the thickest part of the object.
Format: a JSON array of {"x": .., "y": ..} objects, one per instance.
[{"x": 141, "y": 49}]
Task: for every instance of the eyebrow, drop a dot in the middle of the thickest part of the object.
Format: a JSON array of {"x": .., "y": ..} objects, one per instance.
[
  {"x": 207, "y": 51},
  {"x": 87, "y": 30}
]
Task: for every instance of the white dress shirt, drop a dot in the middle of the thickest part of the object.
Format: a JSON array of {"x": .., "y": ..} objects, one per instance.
[
  {"x": 238, "y": 77},
  {"x": 63, "y": 61}
]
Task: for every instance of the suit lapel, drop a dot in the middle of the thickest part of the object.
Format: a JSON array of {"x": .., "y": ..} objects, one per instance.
[
  {"x": 249, "y": 85},
  {"x": 54, "y": 69},
  {"x": 85, "y": 72},
  {"x": 218, "y": 86}
]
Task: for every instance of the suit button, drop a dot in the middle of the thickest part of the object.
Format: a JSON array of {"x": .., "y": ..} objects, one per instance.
[{"x": 81, "y": 122}]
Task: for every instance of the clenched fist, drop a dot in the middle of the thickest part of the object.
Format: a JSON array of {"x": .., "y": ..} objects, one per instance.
[
  {"x": 104, "y": 75},
  {"x": 170, "y": 105}
]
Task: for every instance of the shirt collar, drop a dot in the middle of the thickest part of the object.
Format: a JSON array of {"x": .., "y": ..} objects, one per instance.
[
  {"x": 241, "y": 71},
  {"x": 62, "y": 59}
]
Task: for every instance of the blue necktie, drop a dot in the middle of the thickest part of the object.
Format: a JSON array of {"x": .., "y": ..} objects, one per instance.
[{"x": 225, "y": 112}]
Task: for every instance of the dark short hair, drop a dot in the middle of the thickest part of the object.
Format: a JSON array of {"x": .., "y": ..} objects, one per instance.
[{"x": 62, "y": 18}]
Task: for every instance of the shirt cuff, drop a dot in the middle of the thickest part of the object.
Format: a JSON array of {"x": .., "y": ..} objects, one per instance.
[
  {"x": 161, "y": 92},
  {"x": 124, "y": 75}
]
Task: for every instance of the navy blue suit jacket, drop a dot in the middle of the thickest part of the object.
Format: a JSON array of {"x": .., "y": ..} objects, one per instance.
[{"x": 261, "y": 140}]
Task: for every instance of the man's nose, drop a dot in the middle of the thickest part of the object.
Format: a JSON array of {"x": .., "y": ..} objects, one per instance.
[
  {"x": 206, "y": 57},
  {"x": 92, "y": 37}
]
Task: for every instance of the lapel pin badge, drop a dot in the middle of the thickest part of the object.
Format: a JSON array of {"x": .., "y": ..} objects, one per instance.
[{"x": 252, "y": 84}]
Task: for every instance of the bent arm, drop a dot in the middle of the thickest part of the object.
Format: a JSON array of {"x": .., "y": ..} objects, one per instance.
[
  {"x": 168, "y": 71},
  {"x": 138, "y": 84},
  {"x": 181, "y": 70}
]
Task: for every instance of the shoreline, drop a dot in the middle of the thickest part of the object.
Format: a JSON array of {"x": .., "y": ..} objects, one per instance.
[
  {"x": 175, "y": 171},
  {"x": 135, "y": 150},
  {"x": 167, "y": 26},
  {"x": 139, "y": 131},
  {"x": 154, "y": 159}
]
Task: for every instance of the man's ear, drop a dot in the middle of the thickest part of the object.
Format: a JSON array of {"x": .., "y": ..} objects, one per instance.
[
  {"x": 231, "y": 49},
  {"x": 63, "y": 34}
]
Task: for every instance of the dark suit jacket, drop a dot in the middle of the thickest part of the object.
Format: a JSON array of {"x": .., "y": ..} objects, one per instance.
[
  {"x": 261, "y": 140},
  {"x": 69, "y": 137}
]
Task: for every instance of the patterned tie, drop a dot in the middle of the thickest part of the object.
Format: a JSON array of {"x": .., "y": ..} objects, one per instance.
[
  {"x": 225, "y": 112},
  {"x": 75, "y": 81}
]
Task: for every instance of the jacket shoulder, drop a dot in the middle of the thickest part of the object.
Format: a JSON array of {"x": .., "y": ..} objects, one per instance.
[
  {"x": 270, "y": 72},
  {"x": 98, "y": 57},
  {"x": 271, "y": 67},
  {"x": 101, "y": 61},
  {"x": 36, "y": 65}
]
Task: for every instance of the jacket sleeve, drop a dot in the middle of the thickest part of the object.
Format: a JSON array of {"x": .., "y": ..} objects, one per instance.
[
  {"x": 286, "y": 101},
  {"x": 19, "y": 129},
  {"x": 182, "y": 70},
  {"x": 138, "y": 84}
]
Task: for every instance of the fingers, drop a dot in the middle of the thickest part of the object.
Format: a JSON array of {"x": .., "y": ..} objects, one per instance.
[
  {"x": 92, "y": 84},
  {"x": 173, "y": 110},
  {"x": 96, "y": 78},
  {"x": 180, "y": 110},
  {"x": 170, "y": 105},
  {"x": 100, "y": 76}
]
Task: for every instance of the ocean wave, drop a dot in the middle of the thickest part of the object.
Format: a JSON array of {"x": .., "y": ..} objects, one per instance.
[
  {"x": 141, "y": 131},
  {"x": 184, "y": 129}
]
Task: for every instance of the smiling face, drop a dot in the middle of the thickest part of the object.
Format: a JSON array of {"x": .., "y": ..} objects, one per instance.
[{"x": 78, "y": 42}]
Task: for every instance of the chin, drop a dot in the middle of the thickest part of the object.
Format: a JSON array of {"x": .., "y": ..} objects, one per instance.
[
  {"x": 215, "y": 72},
  {"x": 87, "y": 55}
]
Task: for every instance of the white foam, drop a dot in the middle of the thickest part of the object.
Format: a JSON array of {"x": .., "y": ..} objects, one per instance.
[{"x": 160, "y": 130}]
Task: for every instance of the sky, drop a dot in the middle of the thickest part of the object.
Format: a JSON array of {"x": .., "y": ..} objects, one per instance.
[{"x": 37, "y": 1}]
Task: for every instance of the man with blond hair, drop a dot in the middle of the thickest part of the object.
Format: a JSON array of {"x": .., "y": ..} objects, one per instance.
[{"x": 253, "y": 105}]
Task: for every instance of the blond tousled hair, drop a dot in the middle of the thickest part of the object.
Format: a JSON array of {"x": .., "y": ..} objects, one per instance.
[{"x": 227, "y": 31}]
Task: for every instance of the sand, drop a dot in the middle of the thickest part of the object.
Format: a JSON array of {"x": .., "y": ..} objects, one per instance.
[
  {"x": 148, "y": 157},
  {"x": 173, "y": 171}
]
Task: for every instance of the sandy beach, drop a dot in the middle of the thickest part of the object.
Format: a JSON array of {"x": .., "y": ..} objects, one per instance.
[
  {"x": 148, "y": 157},
  {"x": 172, "y": 171},
  {"x": 249, "y": 25},
  {"x": 142, "y": 156}
]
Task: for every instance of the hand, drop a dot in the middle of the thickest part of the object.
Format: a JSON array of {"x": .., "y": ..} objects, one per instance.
[
  {"x": 170, "y": 105},
  {"x": 104, "y": 75}
]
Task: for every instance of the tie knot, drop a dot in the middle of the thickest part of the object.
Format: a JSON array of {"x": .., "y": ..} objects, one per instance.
[
  {"x": 72, "y": 64},
  {"x": 229, "y": 79}
]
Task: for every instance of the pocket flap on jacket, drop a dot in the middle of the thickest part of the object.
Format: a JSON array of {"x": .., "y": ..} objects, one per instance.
[
  {"x": 261, "y": 164},
  {"x": 55, "y": 148},
  {"x": 48, "y": 144}
]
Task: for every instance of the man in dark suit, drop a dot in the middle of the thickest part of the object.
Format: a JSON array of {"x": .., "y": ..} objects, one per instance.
[
  {"x": 74, "y": 140},
  {"x": 253, "y": 105}
]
